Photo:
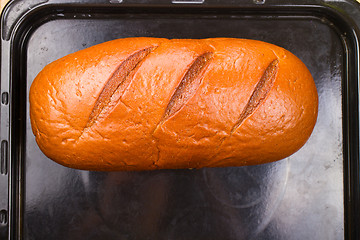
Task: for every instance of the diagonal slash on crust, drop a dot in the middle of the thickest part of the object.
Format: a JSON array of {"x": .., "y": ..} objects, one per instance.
[
  {"x": 187, "y": 87},
  {"x": 119, "y": 81},
  {"x": 259, "y": 94}
]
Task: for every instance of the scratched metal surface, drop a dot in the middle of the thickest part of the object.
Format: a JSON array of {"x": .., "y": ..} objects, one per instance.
[{"x": 300, "y": 197}]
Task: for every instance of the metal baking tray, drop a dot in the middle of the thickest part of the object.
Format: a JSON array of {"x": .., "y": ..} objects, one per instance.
[{"x": 313, "y": 194}]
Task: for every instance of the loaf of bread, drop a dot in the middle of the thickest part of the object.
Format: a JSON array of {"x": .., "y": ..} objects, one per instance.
[{"x": 153, "y": 103}]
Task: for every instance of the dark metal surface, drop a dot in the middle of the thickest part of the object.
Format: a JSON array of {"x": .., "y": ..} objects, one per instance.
[{"x": 310, "y": 195}]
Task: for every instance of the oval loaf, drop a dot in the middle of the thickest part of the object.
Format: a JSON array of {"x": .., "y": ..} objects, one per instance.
[{"x": 153, "y": 103}]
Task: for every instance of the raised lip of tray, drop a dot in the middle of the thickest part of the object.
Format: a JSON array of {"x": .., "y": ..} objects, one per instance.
[{"x": 16, "y": 27}]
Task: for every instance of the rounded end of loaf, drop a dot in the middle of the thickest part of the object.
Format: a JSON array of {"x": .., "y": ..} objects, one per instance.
[{"x": 281, "y": 124}]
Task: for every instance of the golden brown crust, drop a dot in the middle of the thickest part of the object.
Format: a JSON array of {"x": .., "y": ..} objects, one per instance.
[{"x": 174, "y": 104}]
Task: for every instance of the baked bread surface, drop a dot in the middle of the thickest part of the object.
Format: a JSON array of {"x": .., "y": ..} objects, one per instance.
[{"x": 153, "y": 103}]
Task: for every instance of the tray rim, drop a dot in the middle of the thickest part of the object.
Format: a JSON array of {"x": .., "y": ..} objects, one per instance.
[{"x": 345, "y": 13}]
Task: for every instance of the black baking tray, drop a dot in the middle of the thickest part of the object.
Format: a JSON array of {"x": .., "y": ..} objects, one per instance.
[{"x": 313, "y": 194}]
